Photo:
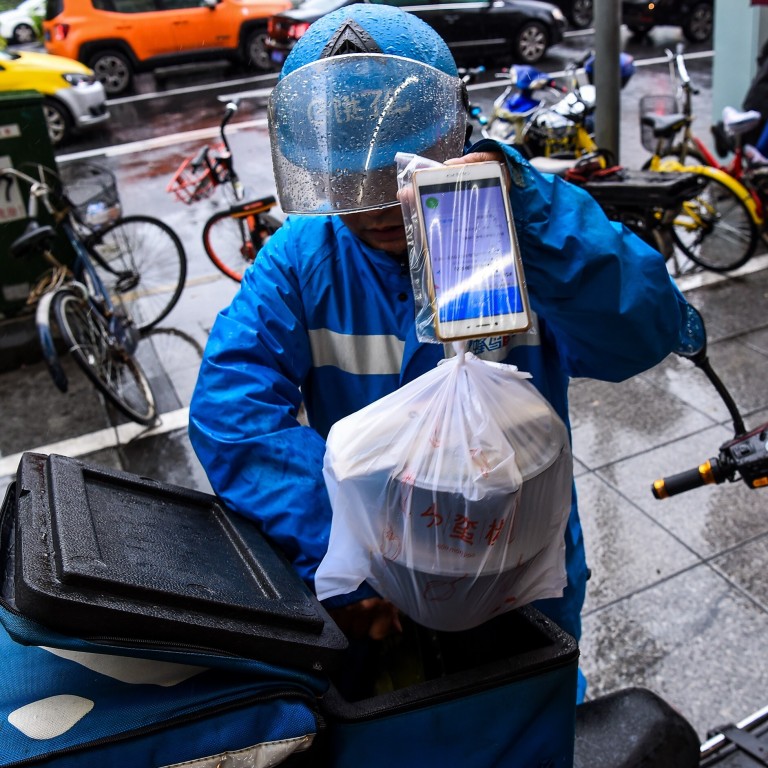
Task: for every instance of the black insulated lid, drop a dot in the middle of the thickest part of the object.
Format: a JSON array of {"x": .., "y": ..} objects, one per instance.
[{"x": 102, "y": 554}]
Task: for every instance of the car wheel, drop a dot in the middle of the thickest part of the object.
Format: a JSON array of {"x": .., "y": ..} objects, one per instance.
[
  {"x": 57, "y": 120},
  {"x": 531, "y": 42},
  {"x": 114, "y": 71},
  {"x": 581, "y": 14},
  {"x": 24, "y": 34},
  {"x": 699, "y": 22},
  {"x": 256, "y": 53}
]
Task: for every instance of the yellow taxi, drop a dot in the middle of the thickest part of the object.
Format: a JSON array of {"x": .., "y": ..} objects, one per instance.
[{"x": 73, "y": 98}]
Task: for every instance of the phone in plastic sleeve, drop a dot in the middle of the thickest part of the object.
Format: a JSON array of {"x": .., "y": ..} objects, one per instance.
[{"x": 473, "y": 270}]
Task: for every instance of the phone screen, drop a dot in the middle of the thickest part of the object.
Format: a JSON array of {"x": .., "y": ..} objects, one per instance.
[{"x": 472, "y": 253}]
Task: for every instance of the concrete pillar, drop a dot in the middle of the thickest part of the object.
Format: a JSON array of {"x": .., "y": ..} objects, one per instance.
[
  {"x": 740, "y": 30},
  {"x": 607, "y": 75}
]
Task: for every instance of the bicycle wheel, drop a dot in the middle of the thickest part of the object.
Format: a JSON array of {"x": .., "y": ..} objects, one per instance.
[
  {"x": 112, "y": 369},
  {"x": 142, "y": 264},
  {"x": 233, "y": 242},
  {"x": 715, "y": 229}
]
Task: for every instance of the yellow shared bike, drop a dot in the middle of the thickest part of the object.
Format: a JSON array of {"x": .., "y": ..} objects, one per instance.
[{"x": 720, "y": 227}]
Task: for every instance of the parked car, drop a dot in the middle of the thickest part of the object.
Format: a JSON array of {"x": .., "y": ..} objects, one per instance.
[
  {"x": 578, "y": 12},
  {"x": 73, "y": 99},
  {"x": 20, "y": 24},
  {"x": 695, "y": 17},
  {"x": 118, "y": 38},
  {"x": 518, "y": 30}
]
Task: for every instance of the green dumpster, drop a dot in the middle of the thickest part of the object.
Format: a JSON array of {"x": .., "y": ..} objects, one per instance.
[{"x": 24, "y": 142}]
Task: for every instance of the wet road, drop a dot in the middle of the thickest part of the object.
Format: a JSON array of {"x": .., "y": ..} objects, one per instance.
[{"x": 637, "y": 555}]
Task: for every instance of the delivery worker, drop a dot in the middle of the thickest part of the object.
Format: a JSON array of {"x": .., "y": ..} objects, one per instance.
[{"x": 325, "y": 316}]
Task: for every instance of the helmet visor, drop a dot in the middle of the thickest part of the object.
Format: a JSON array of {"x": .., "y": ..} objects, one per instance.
[{"x": 335, "y": 126}]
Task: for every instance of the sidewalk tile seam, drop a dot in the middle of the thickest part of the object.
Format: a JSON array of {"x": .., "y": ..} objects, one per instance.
[
  {"x": 631, "y": 502},
  {"x": 655, "y": 446},
  {"x": 646, "y": 588},
  {"x": 746, "y": 594}
]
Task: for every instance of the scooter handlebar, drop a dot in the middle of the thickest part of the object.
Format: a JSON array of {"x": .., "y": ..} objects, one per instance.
[
  {"x": 710, "y": 472},
  {"x": 744, "y": 457}
]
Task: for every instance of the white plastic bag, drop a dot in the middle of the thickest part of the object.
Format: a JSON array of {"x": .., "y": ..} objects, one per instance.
[{"x": 450, "y": 496}]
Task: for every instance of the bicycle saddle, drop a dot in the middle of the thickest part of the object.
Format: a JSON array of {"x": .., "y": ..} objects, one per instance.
[
  {"x": 738, "y": 122},
  {"x": 664, "y": 126},
  {"x": 34, "y": 237}
]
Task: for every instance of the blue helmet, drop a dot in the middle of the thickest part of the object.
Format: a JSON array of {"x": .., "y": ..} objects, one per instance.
[
  {"x": 371, "y": 28},
  {"x": 363, "y": 83}
]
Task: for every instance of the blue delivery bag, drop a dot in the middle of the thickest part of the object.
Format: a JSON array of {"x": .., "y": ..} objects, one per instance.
[
  {"x": 502, "y": 694},
  {"x": 70, "y": 709},
  {"x": 112, "y": 652},
  {"x": 111, "y": 655}
]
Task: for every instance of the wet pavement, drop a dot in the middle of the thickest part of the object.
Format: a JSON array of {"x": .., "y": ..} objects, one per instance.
[{"x": 678, "y": 600}]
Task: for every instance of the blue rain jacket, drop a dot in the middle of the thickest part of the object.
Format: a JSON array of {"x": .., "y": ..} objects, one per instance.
[{"x": 321, "y": 310}]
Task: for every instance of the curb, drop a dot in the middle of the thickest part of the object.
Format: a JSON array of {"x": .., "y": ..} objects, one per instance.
[{"x": 19, "y": 345}]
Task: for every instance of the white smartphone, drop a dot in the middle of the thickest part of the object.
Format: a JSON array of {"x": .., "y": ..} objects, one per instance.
[{"x": 473, "y": 269}]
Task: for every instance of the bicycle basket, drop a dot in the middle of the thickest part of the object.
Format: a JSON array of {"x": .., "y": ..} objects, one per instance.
[
  {"x": 656, "y": 105},
  {"x": 92, "y": 190},
  {"x": 198, "y": 176}
]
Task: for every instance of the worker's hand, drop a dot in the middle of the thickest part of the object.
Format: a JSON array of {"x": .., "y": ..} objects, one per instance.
[
  {"x": 482, "y": 157},
  {"x": 373, "y": 617}
]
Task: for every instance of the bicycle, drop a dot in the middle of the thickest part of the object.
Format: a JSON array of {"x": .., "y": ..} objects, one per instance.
[
  {"x": 232, "y": 238},
  {"x": 646, "y": 202},
  {"x": 748, "y": 164},
  {"x": 719, "y": 228},
  {"x": 138, "y": 258},
  {"x": 745, "y": 165},
  {"x": 91, "y": 313}
]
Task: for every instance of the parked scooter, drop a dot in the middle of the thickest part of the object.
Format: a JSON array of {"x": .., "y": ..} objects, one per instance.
[
  {"x": 528, "y": 90},
  {"x": 544, "y": 118}
]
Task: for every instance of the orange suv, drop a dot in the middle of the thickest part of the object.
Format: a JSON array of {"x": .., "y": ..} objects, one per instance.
[{"x": 117, "y": 38}]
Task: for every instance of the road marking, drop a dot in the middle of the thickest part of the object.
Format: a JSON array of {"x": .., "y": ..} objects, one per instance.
[
  {"x": 104, "y": 438},
  {"x": 192, "y": 89},
  {"x": 161, "y": 141},
  {"x": 700, "y": 279}
]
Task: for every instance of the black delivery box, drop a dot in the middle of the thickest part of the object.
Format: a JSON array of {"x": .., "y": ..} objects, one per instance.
[
  {"x": 111, "y": 557},
  {"x": 126, "y": 562}
]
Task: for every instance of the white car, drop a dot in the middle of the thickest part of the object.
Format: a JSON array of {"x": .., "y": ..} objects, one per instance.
[{"x": 18, "y": 25}]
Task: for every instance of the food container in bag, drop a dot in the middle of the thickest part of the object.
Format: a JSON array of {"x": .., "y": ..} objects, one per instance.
[{"x": 450, "y": 496}]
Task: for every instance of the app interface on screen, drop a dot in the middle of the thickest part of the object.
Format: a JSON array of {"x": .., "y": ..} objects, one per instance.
[{"x": 473, "y": 262}]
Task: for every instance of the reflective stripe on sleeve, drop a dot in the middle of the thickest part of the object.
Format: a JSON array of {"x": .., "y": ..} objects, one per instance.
[{"x": 356, "y": 354}]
